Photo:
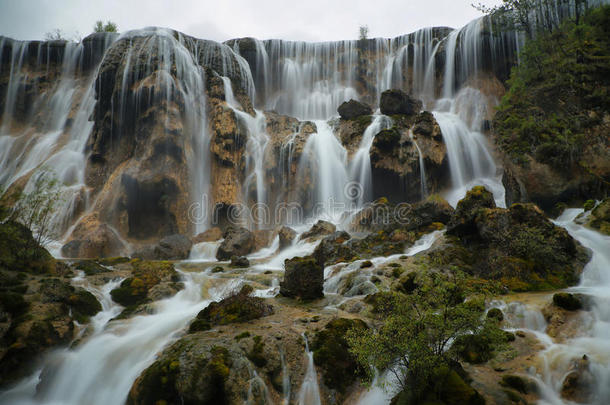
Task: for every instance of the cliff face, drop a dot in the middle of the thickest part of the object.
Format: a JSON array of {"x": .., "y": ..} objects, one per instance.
[{"x": 149, "y": 141}]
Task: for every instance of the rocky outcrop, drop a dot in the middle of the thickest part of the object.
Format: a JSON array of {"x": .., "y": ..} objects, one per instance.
[
  {"x": 518, "y": 246},
  {"x": 303, "y": 278},
  {"x": 91, "y": 239},
  {"x": 395, "y": 159},
  {"x": 579, "y": 385},
  {"x": 353, "y": 109},
  {"x": 318, "y": 230},
  {"x": 599, "y": 219},
  {"x": 238, "y": 241},
  {"x": 332, "y": 249},
  {"x": 286, "y": 236},
  {"x": 396, "y": 101}
]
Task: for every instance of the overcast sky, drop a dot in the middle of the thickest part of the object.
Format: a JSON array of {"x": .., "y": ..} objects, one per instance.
[{"x": 309, "y": 20}]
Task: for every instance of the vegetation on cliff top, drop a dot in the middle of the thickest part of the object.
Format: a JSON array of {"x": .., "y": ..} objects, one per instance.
[{"x": 559, "y": 93}]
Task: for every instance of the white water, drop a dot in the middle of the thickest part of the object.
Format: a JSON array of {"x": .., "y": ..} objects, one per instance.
[
  {"x": 103, "y": 367},
  {"x": 360, "y": 164},
  {"x": 309, "y": 393}
]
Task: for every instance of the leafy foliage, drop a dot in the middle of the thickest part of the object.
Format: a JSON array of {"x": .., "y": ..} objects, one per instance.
[
  {"x": 363, "y": 32},
  {"x": 414, "y": 341},
  {"x": 108, "y": 27},
  {"x": 558, "y": 93}
]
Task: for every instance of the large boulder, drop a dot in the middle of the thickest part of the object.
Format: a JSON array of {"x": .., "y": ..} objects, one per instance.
[
  {"x": 173, "y": 247},
  {"x": 238, "y": 241},
  {"x": 303, "y": 278},
  {"x": 236, "y": 308},
  {"x": 396, "y": 101},
  {"x": 462, "y": 222},
  {"x": 599, "y": 219},
  {"x": 352, "y": 109},
  {"x": 333, "y": 249},
  {"x": 286, "y": 236},
  {"x": 331, "y": 353},
  {"x": 319, "y": 229},
  {"x": 98, "y": 240}
]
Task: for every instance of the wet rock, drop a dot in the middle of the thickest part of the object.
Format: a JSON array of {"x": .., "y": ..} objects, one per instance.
[
  {"x": 211, "y": 235},
  {"x": 352, "y": 109},
  {"x": 600, "y": 217},
  {"x": 287, "y": 236},
  {"x": 135, "y": 290},
  {"x": 262, "y": 238},
  {"x": 398, "y": 102},
  {"x": 303, "y": 278},
  {"x": 238, "y": 241},
  {"x": 462, "y": 222},
  {"x": 331, "y": 354},
  {"x": 567, "y": 301},
  {"x": 236, "y": 308},
  {"x": 239, "y": 261},
  {"x": 579, "y": 385},
  {"x": 332, "y": 249},
  {"x": 91, "y": 242},
  {"x": 320, "y": 228}
]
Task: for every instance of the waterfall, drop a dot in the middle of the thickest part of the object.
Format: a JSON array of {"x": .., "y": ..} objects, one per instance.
[
  {"x": 103, "y": 367},
  {"x": 326, "y": 159},
  {"x": 422, "y": 167},
  {"x": 309, "y": 393},
  {"x": 360, "y": 164}
]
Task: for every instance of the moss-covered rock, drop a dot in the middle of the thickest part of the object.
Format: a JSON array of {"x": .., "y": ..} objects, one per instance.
[
  {"x": 19, "y": 251},
  {"x": 146, "y": 275},
  {"x": 600, "y": 217},
  {"x": 462, "y": 222},
  {"x": 303, "y": 278},
  {"x": 567, "y": 301},
  {"x": 495, "y": 313},
  {"x": 236, "y": 308},
  {"x": 331, "y": 353}
]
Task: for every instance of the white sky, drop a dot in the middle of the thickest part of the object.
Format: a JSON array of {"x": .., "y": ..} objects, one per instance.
[{"x": 309, "y": 20}]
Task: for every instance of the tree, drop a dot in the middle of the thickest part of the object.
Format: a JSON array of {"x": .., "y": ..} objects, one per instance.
[
  {"x": 36, "y": 209},
  {"x": 364, "y": 32},
  {"x": 511, "y": 14},
  {"x": 414, "y": 340},
  {"x": 55, "y": 35},
  {"x": 108, "y": 27}
]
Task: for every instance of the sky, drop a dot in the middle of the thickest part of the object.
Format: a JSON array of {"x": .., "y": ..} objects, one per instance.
[{"x": 220, "y": 20}]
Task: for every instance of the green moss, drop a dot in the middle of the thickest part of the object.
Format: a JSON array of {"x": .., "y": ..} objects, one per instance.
[
  {"x": 495, "y": 313},
  {"x": 567, "y": 301},
  {"x": 331, "y": 354},
  {"x": 19, "y": 251},
  {"x": 256, "y": 354},
  {"x": 84, "y": 304},
  {"x": 90, "y": 267},
  {"x": 113, "y": 261},
  {"x": 242, "y": 335}
]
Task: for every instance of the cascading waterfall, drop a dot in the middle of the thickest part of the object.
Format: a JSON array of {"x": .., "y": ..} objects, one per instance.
[
  {"x": 309, "y": 393},
  {"x": 326, "y": 158},
  {"x": 422, "y": 167},
  {"x": 102, "y": 369},
  {"x": 360, "y": 164}
]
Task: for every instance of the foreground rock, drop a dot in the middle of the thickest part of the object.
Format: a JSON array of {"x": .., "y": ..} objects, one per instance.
[
  {"x": 38, "y": 306},
  {"x": 303, "y": 278},
  {"x": 518, "y": 246},
  {"x": 238, "y": 241},
  {"x": 352, "y": 109},
  {"x": 237, "y": 308},
  {"x": 398, "y": 102},
  {"x": 599, "y": 218},
  {"x": 320, "y": 228}
]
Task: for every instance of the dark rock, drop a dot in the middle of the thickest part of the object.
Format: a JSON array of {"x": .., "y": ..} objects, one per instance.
[
  {"x": 567, "y": 301},
  {"x": 238, "y": 241},
  {"x": 236, "y": 308},
  {"x": 318, "y": 229},
  {"x": 579, "y": 385},
  {"x": 331, "y": 353},
  {"x": 495, "y": 313},
  {"x": 600, "y": 217},
  {"x": 352, "y": 109},
  {"x": 135, "y": 290},
  {"x": 239, "y": 261},
  {"x": 522, "y": 384},
  {"x": 387, "y": 139},
  {"x": 332, "y": 249},
  {"x": 398, "y": 102},
  {"x": 303, "y": 278},
  {"x": 101, "y": 241},
  {"x": 173, "y": 247},
  {"x": 287, "y": 236},
  {"x": 462, "y": 222}
]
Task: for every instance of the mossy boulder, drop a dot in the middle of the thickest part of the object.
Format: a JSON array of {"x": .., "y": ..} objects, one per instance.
[
  {"x": 331, "y": 354},
  {"x": 600, "y": 217},
  {"x": 396, "y": 101},
  {"x": 462, "y": 223},
  {"x": 303, "y": 278},
  {"x": 567, "y": 301},
  {"x": 188, "y": 372},
  {"x": 387, "y": 139},
  {"x": 238, "y": 241},
  {"x": 352, "y": 109},
  {"x": 19, "y": 251},
  {"x": 333, "y": 249},
  {"x": 236, "y": 308},
  {"x": 495, "y": 313},
  {"x": 135, "y": 290}
]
